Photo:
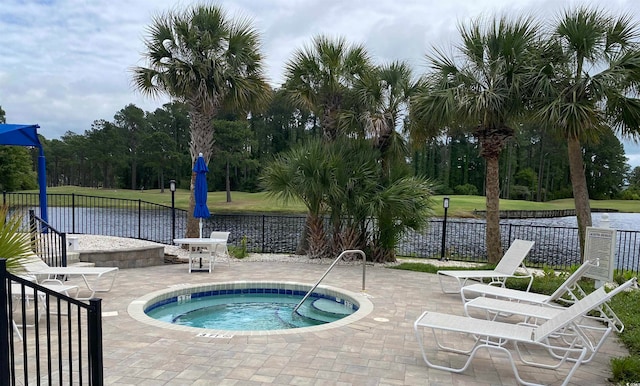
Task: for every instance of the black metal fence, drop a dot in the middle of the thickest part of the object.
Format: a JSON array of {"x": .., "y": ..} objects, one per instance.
[
  {"x": 82, "y": 214},
  {"x": 49, "y": 243},
  {"x": 273, "y": 233},
  {"x": 47, "y": 337}
]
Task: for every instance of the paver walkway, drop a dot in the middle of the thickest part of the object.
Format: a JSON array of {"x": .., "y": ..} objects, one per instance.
[{"x": 379, "y": 349}]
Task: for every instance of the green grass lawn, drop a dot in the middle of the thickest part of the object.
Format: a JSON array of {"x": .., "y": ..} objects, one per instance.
[
  {"x": 460, "y": 206},
  {"x": 216, "y": 201}
]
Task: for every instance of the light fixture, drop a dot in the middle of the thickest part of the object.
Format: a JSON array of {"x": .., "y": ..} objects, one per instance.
[
  {"x": 172, "y": 188},
  {"x": 445, "y": 205}
]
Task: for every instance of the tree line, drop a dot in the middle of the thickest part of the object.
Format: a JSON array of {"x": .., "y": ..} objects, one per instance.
[{"x": 143, "y": 150}]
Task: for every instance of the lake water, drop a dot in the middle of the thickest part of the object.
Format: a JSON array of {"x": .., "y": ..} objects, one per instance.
[
  {"x": 556, "y": 238},
  {"x": 620, "y": 221}
]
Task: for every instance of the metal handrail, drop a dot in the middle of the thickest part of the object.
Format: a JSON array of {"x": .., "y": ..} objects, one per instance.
[{"x": 348, "y": 251}]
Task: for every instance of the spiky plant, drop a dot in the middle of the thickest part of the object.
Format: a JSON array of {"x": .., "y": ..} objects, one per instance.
[{"x": 15, "y": 245}]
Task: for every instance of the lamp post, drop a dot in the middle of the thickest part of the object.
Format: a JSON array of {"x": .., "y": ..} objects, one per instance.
[
  {"x": 172, "y": 188},
  {"x": 445, "y": 205}
]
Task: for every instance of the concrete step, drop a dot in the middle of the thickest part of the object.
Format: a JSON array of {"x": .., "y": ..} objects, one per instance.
[
  {"x": 81, "y": 264},
  {"x": 73, "y": 257}
]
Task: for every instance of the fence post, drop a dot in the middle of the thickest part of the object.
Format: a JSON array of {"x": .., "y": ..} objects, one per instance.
[
  {"x": 63, "y": 239},
  {"x": 263, "y": 221},
  {"x": 73, "y": 213},
  {"x": 4, "y": 325},
  {"x": 94, "y": 319},
  {"x": 33, "y": 227},
  {"x": 139, "y": 219}
]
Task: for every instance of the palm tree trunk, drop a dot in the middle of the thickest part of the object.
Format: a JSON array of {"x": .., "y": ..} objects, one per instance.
[
  {"x": 134, "y": 169},
  {"x": 227, "y": 182},
  {"x": 580, "y": 192},
  {"x": 201, "y": 134},
  {"x": 303, "y": 243},
  {"x": 192, "y": 222},
  {"x": 445, "y": 155},
  {"x": 494, "y": 246}
]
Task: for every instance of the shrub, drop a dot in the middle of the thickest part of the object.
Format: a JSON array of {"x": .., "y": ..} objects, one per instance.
[
  {"x": 241, "y": 251},
  {"x": 466, "y": 189},
  {"x": 519, "y": 192},
  {"x": 630, "y": 194}
]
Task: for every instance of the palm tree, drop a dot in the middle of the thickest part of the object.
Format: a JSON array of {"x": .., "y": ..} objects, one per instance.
[
  {"x": 203, "y": 58},
  {"x": 382, "y": 100},
  {"x": 383, "y": 96},
  {"x": 588, "y": 84},
  {"x": 341, "y": 178},
  {"x": 320, "y": 76},
  {"x": 304, "y": 173},
  {"x": 481, "y": 90}
]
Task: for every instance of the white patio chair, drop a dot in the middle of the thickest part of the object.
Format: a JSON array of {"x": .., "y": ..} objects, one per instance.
[
  {"x": 220, "y": 247},
  {"x": 505, "y": 269},
  {"x": 496, "y": 336}
]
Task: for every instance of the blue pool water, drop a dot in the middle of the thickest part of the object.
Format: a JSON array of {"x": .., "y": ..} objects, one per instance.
[{"x": 248, "y": 310}]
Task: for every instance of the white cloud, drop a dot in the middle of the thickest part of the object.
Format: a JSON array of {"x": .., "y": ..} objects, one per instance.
[{"x": 65, "y": 63}]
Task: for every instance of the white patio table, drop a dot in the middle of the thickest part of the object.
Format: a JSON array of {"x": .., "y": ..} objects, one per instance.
[{"x": 200, "y": 247}]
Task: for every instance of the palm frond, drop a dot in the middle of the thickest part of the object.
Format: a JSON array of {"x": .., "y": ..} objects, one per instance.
[
  {"x": 202, "y": 55},
  {"x": 15, "y": 244}
]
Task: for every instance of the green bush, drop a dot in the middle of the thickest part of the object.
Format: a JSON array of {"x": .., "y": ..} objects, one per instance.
[
  {"x": 466, "y": 189},
  {"x": 519, "y": 192},
  {"x": 241, "y": 251},
  {"x": 630, "y": 194}
]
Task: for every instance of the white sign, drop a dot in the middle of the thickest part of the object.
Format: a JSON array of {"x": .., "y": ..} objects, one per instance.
[{"x": 600, "y": 246}]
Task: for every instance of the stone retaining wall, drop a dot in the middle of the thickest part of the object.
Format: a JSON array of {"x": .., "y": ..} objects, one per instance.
[{"x": 125, "y": 258}]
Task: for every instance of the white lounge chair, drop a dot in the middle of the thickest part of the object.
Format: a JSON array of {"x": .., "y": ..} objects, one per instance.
[
  {"x": 569, "y": 287},
  {"x": 595, "y": 334},
  {"x": 92, "y": 276},
  {"x": 28, "y": 297},
  {"x": 505, "y": 269},
  {"x": 498, "y": 336}
]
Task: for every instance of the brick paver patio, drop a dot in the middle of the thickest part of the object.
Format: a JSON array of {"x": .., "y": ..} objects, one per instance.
[{"x": 379, "y": 349}]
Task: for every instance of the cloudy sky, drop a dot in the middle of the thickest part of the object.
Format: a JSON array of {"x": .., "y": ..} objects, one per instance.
[{"x": 66, "y": 63}]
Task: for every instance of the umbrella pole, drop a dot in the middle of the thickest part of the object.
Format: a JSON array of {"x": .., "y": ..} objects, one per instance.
[{"x": 200, "y": 223}]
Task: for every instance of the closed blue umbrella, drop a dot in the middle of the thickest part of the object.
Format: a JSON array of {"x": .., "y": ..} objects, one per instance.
[{"x": 200, "y": 190}]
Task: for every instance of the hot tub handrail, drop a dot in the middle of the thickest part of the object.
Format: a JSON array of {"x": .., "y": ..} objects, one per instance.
[{"x": 348, "y": 251}]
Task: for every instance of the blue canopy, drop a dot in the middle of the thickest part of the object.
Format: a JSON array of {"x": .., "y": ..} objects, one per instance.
[{"x": 27, "y": 135}]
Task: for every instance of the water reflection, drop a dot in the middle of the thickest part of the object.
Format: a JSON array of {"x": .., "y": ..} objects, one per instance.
[{"x": 620, "y": 221}]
